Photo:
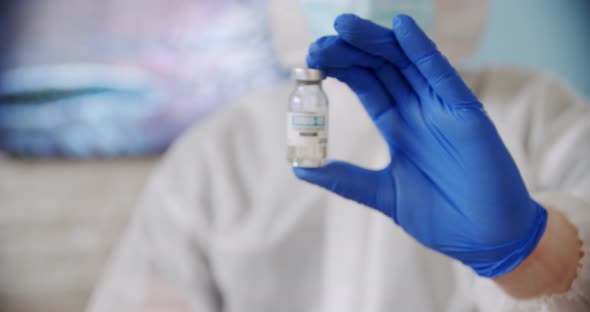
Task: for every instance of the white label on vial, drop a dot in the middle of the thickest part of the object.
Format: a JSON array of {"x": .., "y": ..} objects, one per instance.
[{"x": 306, "y": 130}]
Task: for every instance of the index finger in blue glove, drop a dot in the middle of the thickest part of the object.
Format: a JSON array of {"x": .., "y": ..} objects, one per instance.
[
  {"x": 380, "y": 41},
  {"x": 437, "y": 70},
  {"x": 371, "y": 38},
  {"x": 333, "y": 52},
  {"x": 373, "y": 96}
]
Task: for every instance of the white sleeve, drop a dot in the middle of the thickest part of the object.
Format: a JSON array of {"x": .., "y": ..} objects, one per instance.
[
  {"x": 161, "y": 263},
  {"x": 556, "y": 144}
]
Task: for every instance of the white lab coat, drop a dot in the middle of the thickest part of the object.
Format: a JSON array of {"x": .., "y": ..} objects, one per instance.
[{"x": 225, "y": 226}]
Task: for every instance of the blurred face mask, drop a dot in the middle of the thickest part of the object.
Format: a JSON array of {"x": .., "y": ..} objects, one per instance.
[
  {"x": 455, "y": 25},
  {"x": 320, "y": 14}
]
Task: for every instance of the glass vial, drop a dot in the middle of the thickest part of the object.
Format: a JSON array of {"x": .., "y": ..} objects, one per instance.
[{"x": 307, "y": 120}]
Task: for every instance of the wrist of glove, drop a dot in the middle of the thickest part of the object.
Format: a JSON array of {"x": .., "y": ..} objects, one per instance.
[
  {"x": 497, "y": 260},
  {"x": 451, "y": 183}
]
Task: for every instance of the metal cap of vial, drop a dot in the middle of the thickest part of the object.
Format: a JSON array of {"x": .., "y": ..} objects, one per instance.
[{"x": 307, "y": 74}]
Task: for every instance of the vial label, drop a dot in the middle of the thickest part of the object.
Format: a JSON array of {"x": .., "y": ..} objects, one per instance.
[
  {"x": 306, "y": 137},
  {"x": 306, "y": 130}
]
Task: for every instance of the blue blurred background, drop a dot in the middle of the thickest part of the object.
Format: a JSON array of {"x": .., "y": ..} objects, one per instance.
[{"x": 547, "y": 35}]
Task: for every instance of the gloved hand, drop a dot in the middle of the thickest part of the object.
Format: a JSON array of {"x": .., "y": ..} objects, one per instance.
[{"x": 451, "y": 183}]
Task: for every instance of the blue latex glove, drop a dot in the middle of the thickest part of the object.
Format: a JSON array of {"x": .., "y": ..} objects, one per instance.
[{"x": 451, "y": 183}]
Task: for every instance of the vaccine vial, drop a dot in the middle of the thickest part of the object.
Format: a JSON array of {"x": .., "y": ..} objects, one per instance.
[{"x": 307, "y": 120}]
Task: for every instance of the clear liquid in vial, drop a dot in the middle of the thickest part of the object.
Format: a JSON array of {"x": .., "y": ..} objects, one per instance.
[
  {"x": 301, "y": 156},
  {"x": 307, "y": 120}
]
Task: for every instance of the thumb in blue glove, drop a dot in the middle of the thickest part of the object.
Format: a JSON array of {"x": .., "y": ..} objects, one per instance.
[{"x": 451, "y": 183}]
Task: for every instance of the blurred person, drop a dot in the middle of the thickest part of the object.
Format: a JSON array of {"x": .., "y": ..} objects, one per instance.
[{"x": 488, "y": 185}]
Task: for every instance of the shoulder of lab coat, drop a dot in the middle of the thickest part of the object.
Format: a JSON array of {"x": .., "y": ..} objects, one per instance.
[{"x": 162, "y": 262}]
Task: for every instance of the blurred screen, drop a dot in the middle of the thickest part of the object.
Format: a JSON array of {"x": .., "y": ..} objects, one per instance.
[{"x": 124, "y": 77}]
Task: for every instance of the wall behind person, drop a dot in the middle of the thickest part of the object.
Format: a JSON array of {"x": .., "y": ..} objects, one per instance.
[{"x": 548, "y": 35}]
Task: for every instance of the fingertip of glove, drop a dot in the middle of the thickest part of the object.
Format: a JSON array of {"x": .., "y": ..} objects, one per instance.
[
  {"x": 402, "y": 23},
  {"x": 312, "y": 62},
  {"x": 309, "y": 172},
  {"x": 320, "y": 51},
  {"x": 361, "y": 32},
  {"x": 303, "y": 173},
  {"x": 401, "y": 19},
  {"x": 349, "y": 25},
  {"x": 344, "y": 20}
]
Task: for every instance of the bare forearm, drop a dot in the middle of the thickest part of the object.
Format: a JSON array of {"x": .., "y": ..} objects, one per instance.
[{"x": 551, "y": 267}]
